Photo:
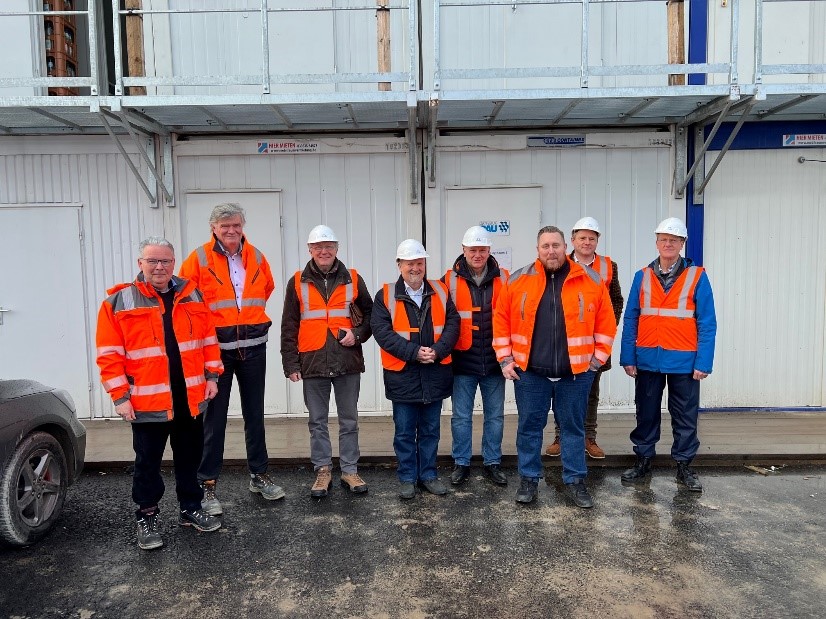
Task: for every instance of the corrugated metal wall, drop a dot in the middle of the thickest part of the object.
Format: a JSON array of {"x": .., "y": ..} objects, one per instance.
[
  {"x": 115, "y": 213},
  {"x": 764, "y": 220}
]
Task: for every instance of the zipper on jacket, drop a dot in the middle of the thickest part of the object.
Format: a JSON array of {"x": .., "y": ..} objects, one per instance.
[
  {"x": 555, "y": 325},
  {"x": 522, "y": 308},
  {"x": 581, "y": 308},
  {"x": 216, "y": 277}
]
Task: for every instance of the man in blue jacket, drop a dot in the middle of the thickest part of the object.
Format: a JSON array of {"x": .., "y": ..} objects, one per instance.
[{"x": 668, "y": 337}]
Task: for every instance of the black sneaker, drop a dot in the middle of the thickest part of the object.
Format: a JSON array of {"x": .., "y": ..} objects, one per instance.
[
  {"x": 198, "y": 519},
  {"x": 407, "y": 490},
  {"x": 495, "y": 474},
  {"x": 688, "y": 478},
  {"x": 578, "y": 493},
  {"x": 433, "y": 486},
  {"x": 527, "y": 491},
  {"x": 149, "y": 535}
]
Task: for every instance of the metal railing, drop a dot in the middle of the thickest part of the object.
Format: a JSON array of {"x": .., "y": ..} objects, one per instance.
[{"x": 761, "y": 69}]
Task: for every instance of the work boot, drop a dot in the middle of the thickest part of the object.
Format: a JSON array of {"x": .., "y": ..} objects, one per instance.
[
  {"x": 638, "y": 471},
  {"x": 527, "y": 491},
  {"x": 687, "y": 477},
  {"x": 407, "y": 490},
  {"x": 579, "y": 494},
  {"x": 433, "y": 486},
  {"x": 593, "y": 450},
  {"x": 210, "y": 503},
  {"x": 323, "y": 482},
  {"x": 353, "y": 483},
  {"x": 495, "y": 474},
  {"x": 198, "y": 519},
  {"x": 149, "y": 535},
  {"x": 554, "y": 449},
  {"x": 459, "y": 475},
  {"x": 262, "y": 484}
]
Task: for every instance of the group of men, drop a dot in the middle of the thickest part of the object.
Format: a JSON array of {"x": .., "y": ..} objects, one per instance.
[{"x": 169, "y": 346}]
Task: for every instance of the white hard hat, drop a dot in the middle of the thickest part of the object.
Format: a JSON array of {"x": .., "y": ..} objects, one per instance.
[
  {"x": 476, "y": 236},
  {"x": 587, "y": 223},
  {"x": 322, "y": 234},
  {"x": 411, "y": 249},
  {"x": 672, "y": 225}
]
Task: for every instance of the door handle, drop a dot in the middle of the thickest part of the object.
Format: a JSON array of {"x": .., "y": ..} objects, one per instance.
[{"x": 2, "y": 311}]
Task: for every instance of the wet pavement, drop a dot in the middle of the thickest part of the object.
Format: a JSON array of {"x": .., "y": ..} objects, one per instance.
[{"x": 749, "y": 546}]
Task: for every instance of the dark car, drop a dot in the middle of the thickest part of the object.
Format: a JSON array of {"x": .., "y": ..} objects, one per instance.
[{"x": 42, "y": 447}]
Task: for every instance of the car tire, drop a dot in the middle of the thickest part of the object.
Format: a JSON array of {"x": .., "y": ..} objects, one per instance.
[{"x": 32, "y": 489}]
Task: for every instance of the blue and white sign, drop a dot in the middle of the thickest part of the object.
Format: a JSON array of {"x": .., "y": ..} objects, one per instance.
[
  {"x": 286, "y": 147},
  {"x": 555, "y": 141},
  {"x": 805, "y": 139},
  {"x": 500, "y": 227}
]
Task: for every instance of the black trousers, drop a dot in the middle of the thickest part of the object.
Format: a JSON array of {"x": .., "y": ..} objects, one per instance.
[{"x": 149, "y": 441}]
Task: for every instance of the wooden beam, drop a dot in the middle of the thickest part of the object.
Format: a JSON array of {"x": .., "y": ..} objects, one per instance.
[
  {"x": 676, "y": 39},
  {"x": 383, "y": 39},
  {"x": 134, "y": 45}
]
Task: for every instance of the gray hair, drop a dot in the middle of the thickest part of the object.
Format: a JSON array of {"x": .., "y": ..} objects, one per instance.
[
  {"x": 225, "y": 211},
  {"x": 156, "y": 241},
  {"x": 550, "y": 230}
]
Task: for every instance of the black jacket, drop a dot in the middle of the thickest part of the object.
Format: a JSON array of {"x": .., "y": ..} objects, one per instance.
[
  {"x": 333, "y": 359},
  {"x": 480, "y": 358},
  {"x": 417, "y": 382}
]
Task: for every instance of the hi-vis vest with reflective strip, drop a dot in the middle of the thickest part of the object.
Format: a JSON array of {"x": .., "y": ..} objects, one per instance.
[
  {"x": 401, "y": 324},
  {"x": 589, "y": 317},
  {"x": 603, "y": 266},
  {"x": 236, "y": 327},
  {"x": 463, "y": 300},
  {"x": 317, "y": 317},
  {"x": 667, "y": 320},
  {"x": 131, "y": 352}
]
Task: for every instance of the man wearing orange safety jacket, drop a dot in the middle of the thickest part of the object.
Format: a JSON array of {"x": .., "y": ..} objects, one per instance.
[
  {"x": 159, "y": 361},
  {"x": 668, "y": 337},
  {"x": 553, "y": 328},
  {"x": 236, "y": 281}
]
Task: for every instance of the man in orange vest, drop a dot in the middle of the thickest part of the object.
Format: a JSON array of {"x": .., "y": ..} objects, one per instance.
[
  {"x": 321, "y": 346},
  {"x": 585, "y": 238},
  {"x": 236, "y": 282},
  {"x": 416, "y": 325},
  {"x": 553, "y": 328},
  {"x": 668, "y": 337},
  {"x": 474, "y": 283},
  {"x": 159, "y": 361}
]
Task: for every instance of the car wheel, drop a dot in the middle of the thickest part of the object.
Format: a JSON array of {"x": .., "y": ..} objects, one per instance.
[{"x": 32, "y": 489}]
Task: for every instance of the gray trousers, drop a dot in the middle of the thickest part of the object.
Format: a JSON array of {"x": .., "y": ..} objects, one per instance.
[{"x": 317, "y": 399}]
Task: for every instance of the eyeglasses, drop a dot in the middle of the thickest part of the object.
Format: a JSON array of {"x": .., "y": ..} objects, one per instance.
[
  {"x": 153, "y": 262},
  {"x": 318, "y": 247}
]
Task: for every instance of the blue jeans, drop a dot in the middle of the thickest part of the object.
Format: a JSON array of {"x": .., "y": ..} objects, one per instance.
[
  {"x": 535, "y": 395},
  {"x": 493, "y": 410},
  {"x": 683, "y": 405},
  {"x": 416, "y": 439}
]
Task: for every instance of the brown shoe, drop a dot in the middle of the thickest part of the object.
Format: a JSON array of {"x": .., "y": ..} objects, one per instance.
[
  {"x": 554, "y": 449},
  {"x": 593, "y": 450},
  {"x": 323, "y": 481},
  {"x": 353, "y": 483}
]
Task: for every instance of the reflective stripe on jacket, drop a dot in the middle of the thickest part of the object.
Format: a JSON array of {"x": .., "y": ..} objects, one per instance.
[
  {"x": 401, "y": 322},
  {"x": 318, "y": 317},
  {"x": 589, "y": 317},
  {"x": 667, "y": 320},
  {"x": 236, "y": 327},
  {"x": 459, "y": 290},
  {"x": 132, "y": 356},
  {"x": 603, "y": 266}
]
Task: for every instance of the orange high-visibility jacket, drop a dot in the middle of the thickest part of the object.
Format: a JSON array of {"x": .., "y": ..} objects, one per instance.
[
  {"x": 668, "y": 320},
  {"x": 317, "y": 317},
  {"x": 589, "y": 317},
  {"x": 401, "y": 323},
  {"x": 460, "y": 293},
  {"x": 603, "y": 266},
  {"x": 236, "y": 327},
  {"x": 131, "y": 352}
]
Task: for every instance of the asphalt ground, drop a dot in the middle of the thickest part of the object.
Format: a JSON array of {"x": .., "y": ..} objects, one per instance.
[{"x": 749, "y": 546}]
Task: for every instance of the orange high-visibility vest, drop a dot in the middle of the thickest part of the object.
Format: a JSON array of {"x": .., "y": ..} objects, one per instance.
[
  {"x": 401, "y": 323},
  {"x": 603, "y": 266},
  {"x": 317, "y": 317},
  {"x": 132, "y": 356},
  {"x": 589, "y": 317},
  {"x": 667, "y": 320},
  {"x": 460, "y": 293}
]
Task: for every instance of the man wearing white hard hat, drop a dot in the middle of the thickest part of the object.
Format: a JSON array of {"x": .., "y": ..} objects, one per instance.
[
  {"x": 585, "y": 237},
  {"x": 474, "y": 283},
  {"x": 325, "y": 321},
  {"x": 416, "y": 325},
  {"x": 668, "y": 338}
]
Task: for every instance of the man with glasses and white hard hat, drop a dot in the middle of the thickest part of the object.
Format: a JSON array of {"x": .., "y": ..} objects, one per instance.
[
  {"x": 416, "y": 325},
  {"x": 585, "y": 237},
  {"x": 668, "y": 337},
  {"x": 474, "y": 283},
  {"x": 321, "y": 346}
]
